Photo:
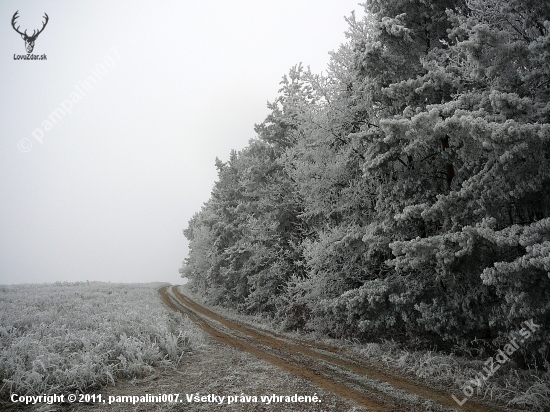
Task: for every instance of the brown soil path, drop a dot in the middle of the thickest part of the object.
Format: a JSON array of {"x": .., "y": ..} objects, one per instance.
[{"x": 321, "y": 364}]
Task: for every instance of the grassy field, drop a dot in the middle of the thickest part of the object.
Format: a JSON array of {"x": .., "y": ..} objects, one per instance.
[
  {"x": 81, "y": 336},
  {"x": 64, "y": 337}
]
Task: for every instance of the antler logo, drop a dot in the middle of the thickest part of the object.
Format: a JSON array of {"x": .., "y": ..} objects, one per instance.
[{"x": 29, "y": 40}]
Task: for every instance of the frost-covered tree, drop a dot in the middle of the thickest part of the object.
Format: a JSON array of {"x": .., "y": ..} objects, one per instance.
[
  {"x": 405, "y": 193},
  {"x": 488, "y": 237},
  {"x": 350, "y": 289},
  {"x": 250, "y": 229}
]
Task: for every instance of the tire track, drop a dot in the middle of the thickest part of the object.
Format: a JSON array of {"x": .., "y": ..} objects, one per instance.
[{"x": 310, "y": 361}]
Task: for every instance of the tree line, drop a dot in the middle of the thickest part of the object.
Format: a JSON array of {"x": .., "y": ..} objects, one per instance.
[{"x": 402, "y": 194}]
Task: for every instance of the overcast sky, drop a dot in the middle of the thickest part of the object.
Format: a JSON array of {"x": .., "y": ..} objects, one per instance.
[{"x": 146, "y": 95}]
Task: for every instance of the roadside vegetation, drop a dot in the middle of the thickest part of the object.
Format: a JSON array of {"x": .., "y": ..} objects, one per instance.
[{"x": 512, "y": 387}]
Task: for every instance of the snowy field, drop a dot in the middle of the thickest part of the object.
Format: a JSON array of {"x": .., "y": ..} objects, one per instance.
[{"x": 79, "y": 336}]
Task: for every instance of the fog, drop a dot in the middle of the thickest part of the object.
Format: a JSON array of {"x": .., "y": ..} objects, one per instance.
[{"x": 108, "y": 145}]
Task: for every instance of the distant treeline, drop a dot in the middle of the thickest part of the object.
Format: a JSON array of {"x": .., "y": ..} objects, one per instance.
[{"x": 404, "y": 193}]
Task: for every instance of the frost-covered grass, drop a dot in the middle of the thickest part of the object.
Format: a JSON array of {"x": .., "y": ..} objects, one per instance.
[
  {"x": 79, "y": 336},
  {"x": 518, "y": 389}
]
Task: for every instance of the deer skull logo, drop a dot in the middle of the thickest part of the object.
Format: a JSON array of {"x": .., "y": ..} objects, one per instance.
[{"x": 29, "y": 40}]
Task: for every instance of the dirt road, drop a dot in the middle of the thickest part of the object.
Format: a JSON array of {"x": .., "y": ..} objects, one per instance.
[{"x": 370, "y": 387}]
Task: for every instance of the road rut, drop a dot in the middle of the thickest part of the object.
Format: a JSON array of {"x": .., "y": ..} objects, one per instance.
[{"x": 324, "y": 365}]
